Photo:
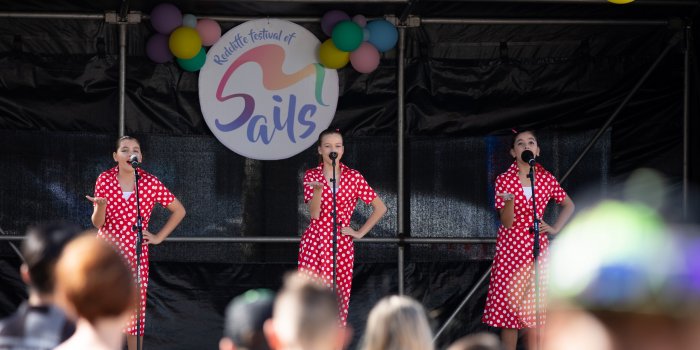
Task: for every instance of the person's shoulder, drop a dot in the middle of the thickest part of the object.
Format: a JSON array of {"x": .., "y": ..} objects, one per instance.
[
  {"x": 107, "y": 173},
  {"x": 313, "y": 171},
  {"x": 504, "y": 175},
  {"x": 148, "y": 177},
  {"x": 12, "y": 324},
  {"x": 545, "y": 172},
  {"x": 352, "y": 172}
]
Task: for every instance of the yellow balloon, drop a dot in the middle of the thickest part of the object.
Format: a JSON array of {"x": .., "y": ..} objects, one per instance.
[
  {"x": 331, "y": 57},
  {"x": 620, "y": 2},
  {"x": 185, "y": 42}
]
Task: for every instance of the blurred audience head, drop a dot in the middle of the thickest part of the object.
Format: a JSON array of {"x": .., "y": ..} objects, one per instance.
[
  {"x": 93, "y": 280},
  {"x": 305, "y": 316},
  {"x": 398, "y": 323},
  {"x": 478, "y": 341},
  {"x": 245, "y": 317},
  {"x": 620, "y": 273},
  {"x": 40, "y": 249}
]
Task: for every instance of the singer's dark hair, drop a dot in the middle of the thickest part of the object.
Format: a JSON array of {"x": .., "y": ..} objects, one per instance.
[
  {"x": 323, "y": 134},
  {"x": 518, "y": 133},
  {"x": 126, "y": 137}
]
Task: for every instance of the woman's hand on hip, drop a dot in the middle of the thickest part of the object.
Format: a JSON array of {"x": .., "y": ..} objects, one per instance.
[
  {"x": 348, "y": 231},
  {"x": 544, "y": 227},
  {"x": 150, "y": 238}
]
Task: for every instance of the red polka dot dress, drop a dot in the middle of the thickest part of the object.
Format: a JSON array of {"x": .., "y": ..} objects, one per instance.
[
  {"x": 120, "y": 218},
  {"x": 510, "y": 302},
  {"x": 316, "y": 248}
]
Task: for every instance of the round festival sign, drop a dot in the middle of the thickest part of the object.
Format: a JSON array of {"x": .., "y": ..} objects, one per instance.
[{"x": 262, "y": 91}]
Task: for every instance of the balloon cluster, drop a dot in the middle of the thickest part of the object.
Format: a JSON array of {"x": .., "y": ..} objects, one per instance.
[
  {"x": 183, "y": 37},
  {"x": 355, "y": 40}
]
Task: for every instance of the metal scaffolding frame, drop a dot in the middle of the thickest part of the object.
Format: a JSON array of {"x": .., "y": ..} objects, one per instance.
[{"x": 123, "y": 19}]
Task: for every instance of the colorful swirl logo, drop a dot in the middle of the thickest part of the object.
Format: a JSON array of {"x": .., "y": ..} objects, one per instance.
[{"x": 262, "y": 91}]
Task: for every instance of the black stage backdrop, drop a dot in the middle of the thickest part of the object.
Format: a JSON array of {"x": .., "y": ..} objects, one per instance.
[{"x": 466, "y": 87}]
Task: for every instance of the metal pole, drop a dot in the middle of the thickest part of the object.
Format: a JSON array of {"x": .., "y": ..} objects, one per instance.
[
  {"x": 464, "y": 302},
  {"x": 122, "y": 77},
  {"x": 540, "y": 21},
  {"x": 686, "y": 119},
  {"x": 303, "y": 19},
  {"x": 595, "y": 2},
  {"x": 417, "y": 240},
  {"x": 674, "y": 40},
  {"x": 32, "y": 15},
  {"x": 401, "y": 151}
]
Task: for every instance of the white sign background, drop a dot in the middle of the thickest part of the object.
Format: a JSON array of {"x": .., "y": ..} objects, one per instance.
[{"x": 257, "y": 108}]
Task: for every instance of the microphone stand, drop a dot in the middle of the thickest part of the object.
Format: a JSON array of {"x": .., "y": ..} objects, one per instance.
[
  {"x": 536, "y": 253},
  {"x": 335, "y": 229},
  {"x": 139, "y": 241}
]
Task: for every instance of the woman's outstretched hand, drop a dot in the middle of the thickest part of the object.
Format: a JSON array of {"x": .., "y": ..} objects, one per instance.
[
  {"x": 97, "y": 200},
  {"x": 315, "y": 184}
]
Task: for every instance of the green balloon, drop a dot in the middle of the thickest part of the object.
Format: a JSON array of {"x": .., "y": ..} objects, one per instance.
[
  {"x": 195, "y": 63},
  {"x": 347, "y": 36}
]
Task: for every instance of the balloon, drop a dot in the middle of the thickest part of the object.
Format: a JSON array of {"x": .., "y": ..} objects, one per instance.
[
  {"x": 360, "y": 20},
  {"x": 347, "y": 36},
  {"x": 185, "y": 42},
  {"x": 331, "y": 57},
  {"x": 209, "y": 30},
  {"x": 195, "y": 63},
  {"x": 620, "y": 2},
  {"x": 365, "y": 59},
  {"x": 330, "y": 19},
  {"x": 365, "y": 34},
  {"x": 165, "y": 18},
  {"x": 189, "y": 20},
  {"x": 382, "y": 34},
  {"x": 157, "y": 48}
]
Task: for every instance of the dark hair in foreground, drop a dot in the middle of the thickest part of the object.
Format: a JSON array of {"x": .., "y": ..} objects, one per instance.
[{"x": 41, "y": 248}]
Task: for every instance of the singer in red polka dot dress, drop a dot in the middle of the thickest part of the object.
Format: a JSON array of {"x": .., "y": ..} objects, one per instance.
[
  {"x": 510, "y": 303},
  {"x": 115, "y": 216},
  {"x": 316, "y": 248}
]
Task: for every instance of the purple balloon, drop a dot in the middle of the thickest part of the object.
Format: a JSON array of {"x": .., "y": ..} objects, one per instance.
[
  {"x": 157, "y": 48},
  {"x": 330, "y": 19},
  {"x": 165, "y": 18}
]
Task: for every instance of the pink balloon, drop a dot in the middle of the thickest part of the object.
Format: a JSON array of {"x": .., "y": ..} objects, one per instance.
[
  {"x": 365, "y": 59},
  {"x": 360, "y": 20},
  {"x": 209, "y": 30}
]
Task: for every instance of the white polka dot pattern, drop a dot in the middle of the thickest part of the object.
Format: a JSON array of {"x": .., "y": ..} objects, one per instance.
[
  {"x": 316, "y": 248},
  {"x": 510, "y": 302},
  {"x": 120, "y": 219}
]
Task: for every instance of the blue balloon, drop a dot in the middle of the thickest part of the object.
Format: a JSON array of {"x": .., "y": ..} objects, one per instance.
[
  {"x": 382, "y": 34},
  {"x": 189, "y": 20}
]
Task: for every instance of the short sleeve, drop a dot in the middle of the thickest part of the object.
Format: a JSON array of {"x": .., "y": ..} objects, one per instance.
[
  {"x": 100, "y": 188},
  {"x": 558, "y": 193},
  {"x": 364, "y": 191},
  {"x": 308, "y": 190},
  {"x": 163, "y": 195},
  {"x": 500, "y": 188}
]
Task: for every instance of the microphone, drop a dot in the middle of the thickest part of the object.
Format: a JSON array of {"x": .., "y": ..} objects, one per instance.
[
  {"x": 333, "y": 155},
  {"x": 528, "y": 157},
  {"x": 134, "y": 161}
]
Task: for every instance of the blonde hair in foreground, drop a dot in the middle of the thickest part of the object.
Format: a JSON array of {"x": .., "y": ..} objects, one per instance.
[{"x": 397, "y": 323}]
